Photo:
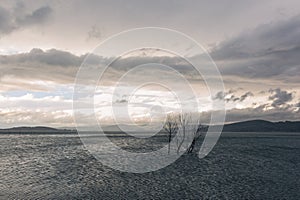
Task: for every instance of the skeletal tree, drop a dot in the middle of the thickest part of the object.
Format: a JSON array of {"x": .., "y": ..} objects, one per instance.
[
  {"x": 183, "y": 121},
  {"x": 184, "y": 125},
  {"x": 171, "y": 127},
  {"x": 197, "y": 128}
]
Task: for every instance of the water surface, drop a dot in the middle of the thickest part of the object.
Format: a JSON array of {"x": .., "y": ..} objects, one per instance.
[{"x": 241, "y": 166}]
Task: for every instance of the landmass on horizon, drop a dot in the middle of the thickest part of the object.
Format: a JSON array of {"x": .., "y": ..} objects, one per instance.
[{"x": 244, "y": 126}]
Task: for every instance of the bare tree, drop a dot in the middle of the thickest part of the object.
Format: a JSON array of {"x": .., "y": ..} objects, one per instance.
[
  {"x": 197, "y": 129},
  {"x": 184, "y": 125},
  {"x": 183, "y": 121},
  {"x": 171, "y": 127}
]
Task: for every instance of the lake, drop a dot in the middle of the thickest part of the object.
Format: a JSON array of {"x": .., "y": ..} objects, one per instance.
[{"x": 241, "y": 166}]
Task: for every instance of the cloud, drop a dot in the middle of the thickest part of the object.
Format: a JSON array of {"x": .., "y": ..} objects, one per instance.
[
  {"x": 259, "y": 112},
  {"x": 6, "y": 23},
  {"x": 19, "y": 117},
  {"x": 29, "y": 101},
  {"x": 17, "y": 18},
  {"x": 269, "y": 51},
  {"x": 277, "y": 114},
  {"x": 37, "y": 16},
  {"x": 61, "y": 67},
  {"x": 47, "y": 70},
  {"x": 219, "y": 96},
  {"x": 244, "y": 96},
  {"x": 279, "y": 105},
  {"x": 38, "y": 67},
  {"x": 49, "y": 57},
  {"x": 231, "y": 97},
  {"x": 121, "y": 101},
  {"x": 263, "y": 40},
  {"x": 94, "y": 33},
  {"x": 29, "y": 109},
  {"x": 280, "y": 97}
]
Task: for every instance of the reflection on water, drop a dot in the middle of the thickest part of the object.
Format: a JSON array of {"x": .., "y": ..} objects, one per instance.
[{"x": 241, "y": 166}]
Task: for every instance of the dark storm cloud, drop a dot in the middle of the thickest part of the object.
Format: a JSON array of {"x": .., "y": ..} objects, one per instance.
[
  {"x": 280, "y": 97},
  {"x": 270, "y": 50},
  {"x": 11, "y": 20}
]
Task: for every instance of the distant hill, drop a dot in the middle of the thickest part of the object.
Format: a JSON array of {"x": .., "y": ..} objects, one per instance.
[
  {"x": 36, "y": 129},
  {"x": 262, "y": 126},
  {"x": 245, "y": 126}
]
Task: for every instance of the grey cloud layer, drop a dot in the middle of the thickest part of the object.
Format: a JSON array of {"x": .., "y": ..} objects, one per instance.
[
  {"x": 269, "y": 51},
  {"x": 37, "y": 65},
  {"x": 19, "y": 17},
  {"x": 61, "y": 66}
]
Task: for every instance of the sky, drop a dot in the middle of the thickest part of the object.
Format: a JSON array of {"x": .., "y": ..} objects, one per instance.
[{"x": 255, "y": 45}]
